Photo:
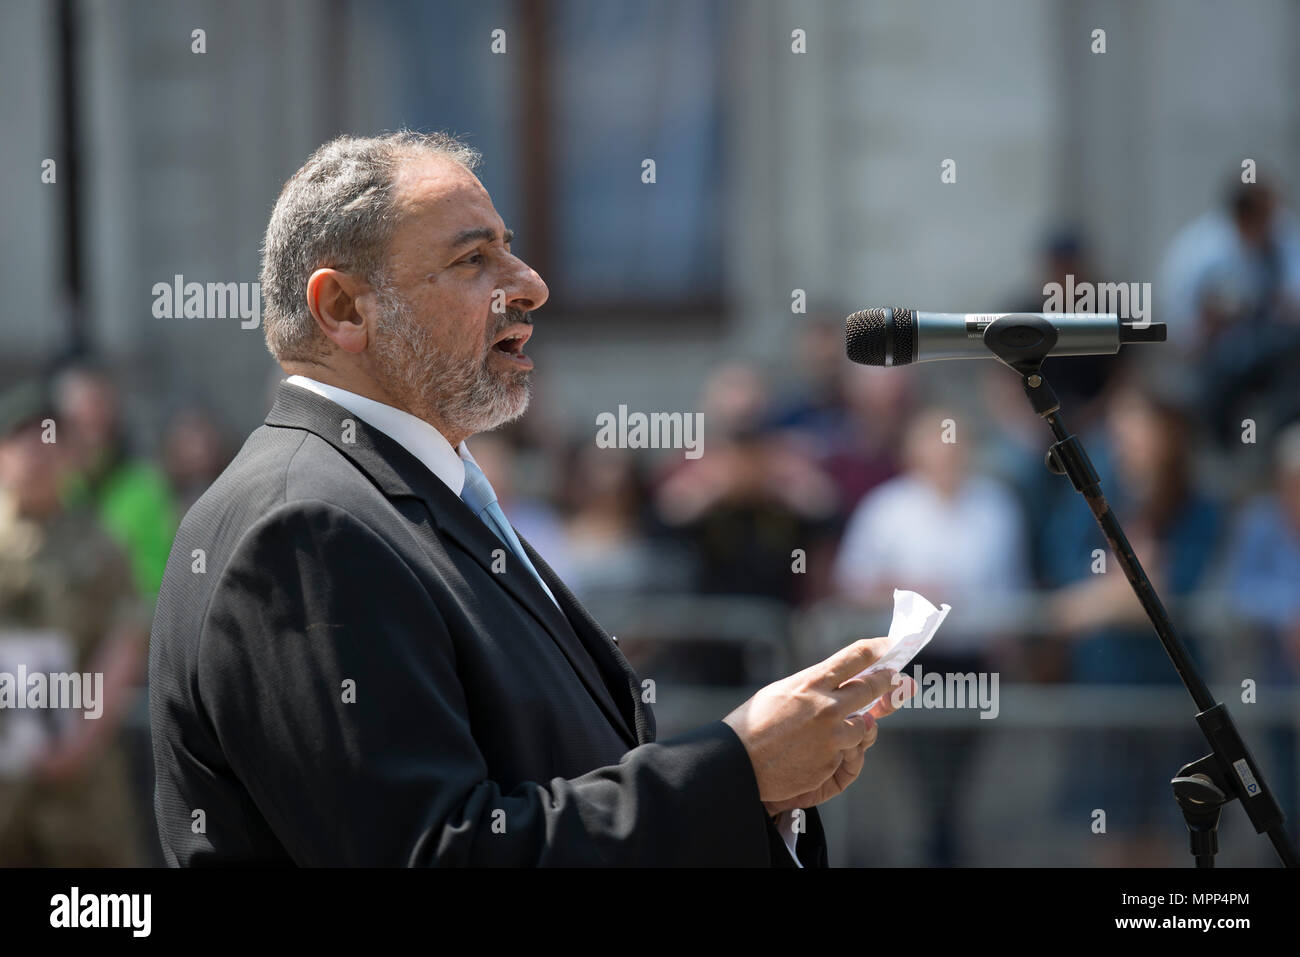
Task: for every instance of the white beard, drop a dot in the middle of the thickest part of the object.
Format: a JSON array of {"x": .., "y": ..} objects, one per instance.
[{"x": 466, "y": 398}]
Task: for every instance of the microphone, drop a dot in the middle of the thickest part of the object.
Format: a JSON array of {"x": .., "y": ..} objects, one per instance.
[{"x": 897, "y": 337}]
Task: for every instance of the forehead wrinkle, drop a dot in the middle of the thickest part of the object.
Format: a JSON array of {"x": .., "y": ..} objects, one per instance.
[
  {"x": 455, "y": 216},
  {"x": 425, "y": 184}
]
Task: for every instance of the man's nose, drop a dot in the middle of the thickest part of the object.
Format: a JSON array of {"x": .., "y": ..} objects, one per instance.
[{"x": 529, "y": 292}]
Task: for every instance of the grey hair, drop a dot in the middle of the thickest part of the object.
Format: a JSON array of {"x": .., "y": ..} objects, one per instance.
[{"x": 337, "y": 212}]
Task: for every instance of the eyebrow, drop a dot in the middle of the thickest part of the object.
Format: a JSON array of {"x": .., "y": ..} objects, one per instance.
[{"x": 479, "y": 234}]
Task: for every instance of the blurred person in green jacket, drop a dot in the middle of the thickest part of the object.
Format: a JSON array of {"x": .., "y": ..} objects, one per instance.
[{"x": 130, "y": 495}]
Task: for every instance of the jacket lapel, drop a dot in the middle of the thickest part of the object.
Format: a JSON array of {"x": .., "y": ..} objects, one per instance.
[
  {"x": 609, "y": 658},
  {"x": 476, "y": 538},
  {"x": 398, "y": 473}
]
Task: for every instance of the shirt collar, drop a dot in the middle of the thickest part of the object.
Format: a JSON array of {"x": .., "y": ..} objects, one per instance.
[{"x": 410, "y": 432}]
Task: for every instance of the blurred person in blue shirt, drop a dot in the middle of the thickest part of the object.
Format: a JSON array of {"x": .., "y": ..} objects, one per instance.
[
  {"x": 1230, "y": 294},
  {"x": 1264, "y": 563},
  {"x": 1247, "y": 252},
  {"x": 1264, "y": 585},
  {"x": 1144, "y": 460}
]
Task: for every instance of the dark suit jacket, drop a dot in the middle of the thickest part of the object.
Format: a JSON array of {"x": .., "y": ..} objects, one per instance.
[{"x": 338, "y": 677}]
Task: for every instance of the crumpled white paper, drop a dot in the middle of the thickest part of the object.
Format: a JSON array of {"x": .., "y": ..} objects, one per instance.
[{"x": 914, "y": 623}]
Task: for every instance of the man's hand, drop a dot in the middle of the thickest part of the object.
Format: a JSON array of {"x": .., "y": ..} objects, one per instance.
[{"x": 803, "y": 744}]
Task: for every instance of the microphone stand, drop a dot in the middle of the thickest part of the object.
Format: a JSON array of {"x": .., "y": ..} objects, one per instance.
[{"x": 1229, "y": 772}]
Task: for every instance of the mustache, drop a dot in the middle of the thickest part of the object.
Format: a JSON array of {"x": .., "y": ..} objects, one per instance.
[{"x": 511, "y": 317}]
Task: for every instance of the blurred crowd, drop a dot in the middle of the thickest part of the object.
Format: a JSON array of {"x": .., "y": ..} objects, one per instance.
[{"x": 822, "y": 482}]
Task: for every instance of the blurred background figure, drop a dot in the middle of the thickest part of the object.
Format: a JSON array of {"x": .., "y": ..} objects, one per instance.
[
  {"x": 1014, "y": 442},
  {"x": 813, "y": 404},
  {"x": 867, "y": 446},
  {"x": 194, "y": 452},
  {"x": 753, "y": 518},
  {"x": 1264, "y": 582},
  {"x": 613, "y": 543},
  {"x": 1264, "y": 563},
  {"x": 1145, "y": 462},
  {"x": 1230, "y": 285},
  {"x": 845, "y": 418},
  {"x": 67, "y": 604},
  {"x": 128, "y": 494},
  {"x": 753, "y": 500},
  {"x": 1065, "y": 259},
  {"x": 955, "y": 537},
  {"x": 942, "y": 530}
]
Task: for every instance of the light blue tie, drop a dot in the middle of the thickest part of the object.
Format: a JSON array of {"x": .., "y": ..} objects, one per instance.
[{"x": 482, "y": 501}]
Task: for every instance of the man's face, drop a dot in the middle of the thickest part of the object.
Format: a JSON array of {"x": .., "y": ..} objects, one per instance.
[{"x": 449, "y": 340}]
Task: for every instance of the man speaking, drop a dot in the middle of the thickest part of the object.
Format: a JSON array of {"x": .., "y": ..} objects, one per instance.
[{"x": 357, "y": 661}]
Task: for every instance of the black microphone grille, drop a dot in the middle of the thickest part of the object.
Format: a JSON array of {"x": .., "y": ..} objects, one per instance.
[
  {"x": 864, "y": 337},
  {"x": 878, "y": 337}
]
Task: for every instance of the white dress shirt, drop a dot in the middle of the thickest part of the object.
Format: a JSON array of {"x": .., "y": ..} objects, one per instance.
[
  {"x": 410, "y": 432},
  {"x": 433, "y": 450}
]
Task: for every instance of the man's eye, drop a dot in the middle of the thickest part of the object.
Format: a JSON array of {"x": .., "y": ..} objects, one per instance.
[{"x": 473, "y": 260}]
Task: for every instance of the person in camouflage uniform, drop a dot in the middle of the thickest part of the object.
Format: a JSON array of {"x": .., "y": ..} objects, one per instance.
[{"x": 61, "y": 575}]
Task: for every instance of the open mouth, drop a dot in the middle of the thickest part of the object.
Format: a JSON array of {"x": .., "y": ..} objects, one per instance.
[{"x": 511, "y": 343}]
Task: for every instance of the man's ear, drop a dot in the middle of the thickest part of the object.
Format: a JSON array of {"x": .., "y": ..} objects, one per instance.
[{"x": 333, "y": 298}]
